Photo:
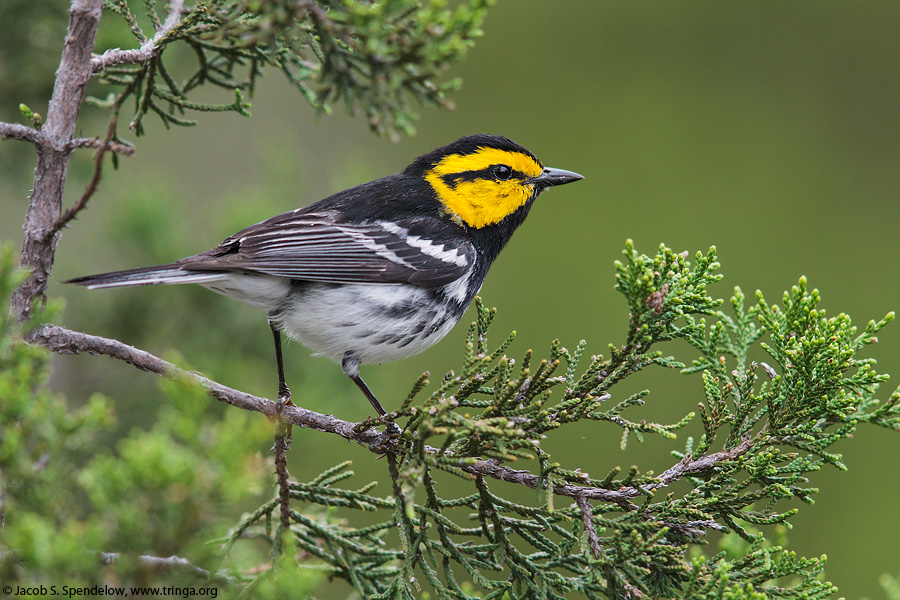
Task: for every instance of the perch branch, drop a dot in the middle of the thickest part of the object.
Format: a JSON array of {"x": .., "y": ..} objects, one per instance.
[
  {"x": 686, "y": 467},
  {"x": 65, "y": 341}
]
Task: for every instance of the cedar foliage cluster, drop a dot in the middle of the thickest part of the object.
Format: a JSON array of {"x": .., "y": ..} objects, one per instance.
[
  {"x": 772, "y": 426},
  {"x": 376, "y": 59}
]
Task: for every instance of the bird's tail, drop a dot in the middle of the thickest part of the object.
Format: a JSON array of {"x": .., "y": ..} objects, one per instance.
[{"x": 168, "y": 274}]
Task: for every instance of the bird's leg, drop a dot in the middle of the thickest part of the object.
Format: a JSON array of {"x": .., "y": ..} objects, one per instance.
[
  {"x": 284, "y": 394},
  {"x": 350, "y": 367},
  {"x": 283, "y": 429}
]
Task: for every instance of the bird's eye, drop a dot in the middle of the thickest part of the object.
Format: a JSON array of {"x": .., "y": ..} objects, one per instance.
[{"x": 501, "y": 172}]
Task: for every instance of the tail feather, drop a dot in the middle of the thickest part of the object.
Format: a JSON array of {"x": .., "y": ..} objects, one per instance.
[{"x": 164, "y": 274}]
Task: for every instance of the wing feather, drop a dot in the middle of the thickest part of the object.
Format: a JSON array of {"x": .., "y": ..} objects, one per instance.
[{"x": 318, "y": 247}]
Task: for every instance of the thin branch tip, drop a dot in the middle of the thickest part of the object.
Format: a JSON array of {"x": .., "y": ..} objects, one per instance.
[
  {"x": 104, "y": 146},
  {"x": 96, "y": 143}
]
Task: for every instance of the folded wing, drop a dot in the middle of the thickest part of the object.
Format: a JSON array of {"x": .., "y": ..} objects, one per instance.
[{"x": 317, "y": 247}]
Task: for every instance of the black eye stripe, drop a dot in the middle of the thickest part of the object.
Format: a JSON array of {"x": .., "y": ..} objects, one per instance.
[{"x": 451, "y": 179}]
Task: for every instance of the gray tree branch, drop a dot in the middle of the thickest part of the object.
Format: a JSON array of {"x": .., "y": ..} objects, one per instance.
[
  {"x": 97, "y": 144},
  {"x": 588, "y": 521},
  {"x": 173, "y": 562},
  {"x": 65, "y": 341},
  {"x": 16, "y": 131},
  {"x": 53, "y": 153}
]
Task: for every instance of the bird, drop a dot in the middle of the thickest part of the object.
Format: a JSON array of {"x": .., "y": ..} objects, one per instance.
[{"x": 377, "y": 272}]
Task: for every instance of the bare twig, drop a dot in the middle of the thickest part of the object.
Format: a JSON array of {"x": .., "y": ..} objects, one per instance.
[
  {"x": 587, "y": 518},
  {"x": 280, "y": 448},
  {"x": 70, "y": 214},
  {"x": 163, "y": 563},
  {"x": 53, "y": 153},
  {"x": 694, "y": 466},
  {"x": 97, "y": 143},
  {"x": 693, "y": 529},
  {"x": 148, "y": 50},
  {"x": 16, "y": 131},
  {"x": 65, "y": 341},
  {"x": 686, "y": 467}
]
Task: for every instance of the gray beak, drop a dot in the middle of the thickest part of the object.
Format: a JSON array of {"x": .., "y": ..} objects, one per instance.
[{"x": 552, "y": 177}]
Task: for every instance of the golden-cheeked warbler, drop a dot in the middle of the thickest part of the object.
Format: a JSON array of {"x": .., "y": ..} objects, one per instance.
[{"x": 378, "y": 272}]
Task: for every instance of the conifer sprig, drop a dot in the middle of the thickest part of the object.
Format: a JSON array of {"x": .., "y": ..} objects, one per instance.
[
  {"x": 372, "y": 57},
  {"x": 774, "y": 424}
]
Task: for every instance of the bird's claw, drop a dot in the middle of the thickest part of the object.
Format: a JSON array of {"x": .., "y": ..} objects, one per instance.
[
  {"x": 386, "y": 441},
  {"x": 284, "y": 396}
]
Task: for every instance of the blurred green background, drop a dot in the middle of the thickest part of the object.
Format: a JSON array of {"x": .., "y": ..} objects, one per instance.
[{"x": 768, "y": 129}]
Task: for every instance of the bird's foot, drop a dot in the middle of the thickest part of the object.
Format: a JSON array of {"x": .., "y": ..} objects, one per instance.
[
  {"x": 283, "y": 429},
  {"x": 284, "y": 396},
  {"x": 387, "y": 441}
]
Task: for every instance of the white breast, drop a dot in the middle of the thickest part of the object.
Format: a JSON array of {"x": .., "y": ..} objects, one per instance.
[{"x": 376, "y": 322}]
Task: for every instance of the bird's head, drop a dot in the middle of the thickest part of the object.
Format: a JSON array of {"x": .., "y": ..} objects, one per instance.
[{"x": 482, "y": 179}]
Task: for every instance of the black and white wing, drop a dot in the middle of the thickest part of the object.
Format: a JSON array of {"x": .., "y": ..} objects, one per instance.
[{"x": 316, "y": 246}]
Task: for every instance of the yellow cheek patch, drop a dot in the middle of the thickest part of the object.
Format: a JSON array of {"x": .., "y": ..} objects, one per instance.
[{"x": 485, "y": 200}]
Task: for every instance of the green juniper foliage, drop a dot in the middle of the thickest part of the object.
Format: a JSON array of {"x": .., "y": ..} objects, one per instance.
[
  {"x": 372, "y": 57},
  {"x": 766, "y": 430},
  {"x": 89, "y": 513},
  {"x": 77, "y": 510}
]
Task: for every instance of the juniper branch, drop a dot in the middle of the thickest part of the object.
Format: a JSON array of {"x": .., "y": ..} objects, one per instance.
[
  {"x": 587, "y": 519},
  {"x": 65, "y": 341},
  {"x": 685, "y": 468},
  {"x": 53, "y": 153},
  {"x": 280, "y": 448},
  {"x": 97, "y": 143}
]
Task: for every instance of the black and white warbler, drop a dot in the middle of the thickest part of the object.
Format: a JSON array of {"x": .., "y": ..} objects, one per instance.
[{"x": 378, "y": 272}]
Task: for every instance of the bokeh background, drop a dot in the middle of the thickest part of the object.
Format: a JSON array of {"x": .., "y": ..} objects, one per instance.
[{"x": 768, "y": 129}]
